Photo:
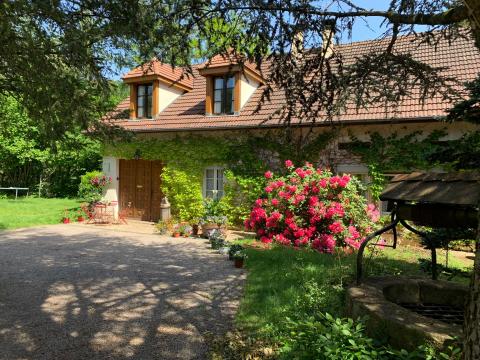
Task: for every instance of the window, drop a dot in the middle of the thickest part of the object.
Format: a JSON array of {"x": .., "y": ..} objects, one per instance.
[
  {"x": 213, "y": 183},
  {"x": 223, "y": 95},
  {"x": 144, "y": 101}
]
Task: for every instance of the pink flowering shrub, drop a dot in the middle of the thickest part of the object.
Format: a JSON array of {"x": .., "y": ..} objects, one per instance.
[{"x": 312, "y": 207}]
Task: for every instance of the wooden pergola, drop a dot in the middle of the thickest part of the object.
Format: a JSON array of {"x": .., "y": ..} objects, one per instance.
[{"x": 438, "y": 200}]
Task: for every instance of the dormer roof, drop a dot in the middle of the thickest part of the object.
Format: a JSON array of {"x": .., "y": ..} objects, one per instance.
[
  {"x": 156, "y": 70},
  {"x": 230, "y": 62}
]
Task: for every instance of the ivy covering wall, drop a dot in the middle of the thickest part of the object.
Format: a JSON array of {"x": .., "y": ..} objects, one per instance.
[
  {"x": 248, "y": 156},
  {"x": 244, "y": 158}
]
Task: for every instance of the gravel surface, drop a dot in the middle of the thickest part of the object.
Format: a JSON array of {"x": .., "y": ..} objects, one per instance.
[{"x": 81, "y": 292}]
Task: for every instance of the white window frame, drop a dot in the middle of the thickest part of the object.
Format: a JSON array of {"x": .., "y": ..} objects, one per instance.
[
  {"x": 216, "y": 171},
  {"x": 361, "y": 172}
]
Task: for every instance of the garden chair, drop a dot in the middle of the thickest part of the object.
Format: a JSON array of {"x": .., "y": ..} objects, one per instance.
[
  {"x": 122, "y": 216},
  {"x": 90, "y": 214}
]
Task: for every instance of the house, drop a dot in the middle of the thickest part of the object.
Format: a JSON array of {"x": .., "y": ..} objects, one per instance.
[{"x": 218, "y": 104}]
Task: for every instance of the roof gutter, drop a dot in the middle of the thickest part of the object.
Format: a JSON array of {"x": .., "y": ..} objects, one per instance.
[{"x": 303, "y": 125}]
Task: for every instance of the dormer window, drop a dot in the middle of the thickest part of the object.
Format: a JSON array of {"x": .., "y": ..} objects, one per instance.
[
  {"x": 223, "y": 94},
  {"x": 144, "y": 101}
]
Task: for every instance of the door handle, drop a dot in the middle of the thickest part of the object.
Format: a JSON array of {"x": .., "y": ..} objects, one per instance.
[{"x": 139, "y": 186}]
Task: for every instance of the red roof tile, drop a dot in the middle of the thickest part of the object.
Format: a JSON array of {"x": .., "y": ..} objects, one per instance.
[
  {"x": 187, "y": 112},
  {"x": 229, "y": 59},
  {"x": 155, "y": 67}
]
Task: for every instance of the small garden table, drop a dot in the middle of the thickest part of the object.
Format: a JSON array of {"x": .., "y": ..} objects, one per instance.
[{"x": 16, "y": 190}]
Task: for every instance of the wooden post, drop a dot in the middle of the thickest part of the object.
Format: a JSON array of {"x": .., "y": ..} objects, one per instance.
[{"x": 133, "y": 101}]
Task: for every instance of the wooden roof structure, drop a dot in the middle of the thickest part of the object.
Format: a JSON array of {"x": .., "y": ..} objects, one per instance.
[{"x": 459, "y": 188}]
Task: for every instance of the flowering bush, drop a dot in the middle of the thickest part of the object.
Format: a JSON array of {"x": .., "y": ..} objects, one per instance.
[
  {"x": 92, "y": 185},
  {"x": 312, "y": 207}
]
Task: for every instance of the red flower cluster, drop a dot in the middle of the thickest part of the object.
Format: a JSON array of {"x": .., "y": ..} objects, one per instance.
[
  {"x": 312, "y": 207},
  {"x": 100, "y": 181}
]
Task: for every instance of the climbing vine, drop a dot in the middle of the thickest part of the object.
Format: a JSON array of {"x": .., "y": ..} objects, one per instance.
[
  {"x": 245, "y": 159},
  {"x": 399, "y": 153}
]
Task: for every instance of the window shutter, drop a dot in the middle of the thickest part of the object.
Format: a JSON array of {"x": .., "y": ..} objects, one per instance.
[
  {"x": 236, "y": 96},
  {"x": 209, "y": 96},
  {"x": 133, "y": 101},
  {"x": 155, "y": 99}
]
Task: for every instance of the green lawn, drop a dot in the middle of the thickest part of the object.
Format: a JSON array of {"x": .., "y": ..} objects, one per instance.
[
  {"x": 284, "y": 281},
  {"x": 29, "y": 211}
]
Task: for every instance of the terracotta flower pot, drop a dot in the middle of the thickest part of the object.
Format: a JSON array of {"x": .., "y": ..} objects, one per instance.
[
  {"x": 80, "y": 219},
  {"x": 66, "y": 220},
  {"x": 176, "y": 235},
  {"x": 239, "y": 263}
]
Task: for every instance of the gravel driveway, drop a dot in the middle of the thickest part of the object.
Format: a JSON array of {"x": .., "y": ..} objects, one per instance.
[{"x": 77, "y": 292}]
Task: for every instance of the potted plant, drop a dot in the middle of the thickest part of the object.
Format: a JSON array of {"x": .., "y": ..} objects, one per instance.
[
  {"x": 164, "y": 227},
  {"x": 217, "y": 239},
  {"x": 185, "y": 230},
  {"x": 80, "y": 216},
  {"x": 66, "y": 216},
  {"x": 233, "y": 249},
  {"x": 213, "y": 218},
  {"x": 239, "y": 258},
  {"x": 176, "y": 230}
]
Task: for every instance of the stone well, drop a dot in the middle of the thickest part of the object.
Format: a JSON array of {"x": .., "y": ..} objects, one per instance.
[{"x": 408, "y": 312}]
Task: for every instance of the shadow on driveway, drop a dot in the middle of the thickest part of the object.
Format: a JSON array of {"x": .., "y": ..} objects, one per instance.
[{"x": 72, "y": 292}]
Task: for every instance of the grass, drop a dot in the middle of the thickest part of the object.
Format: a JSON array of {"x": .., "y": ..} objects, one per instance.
[
  {"x": 29, "y": 211},
  {"x": 283, "y": 281}
]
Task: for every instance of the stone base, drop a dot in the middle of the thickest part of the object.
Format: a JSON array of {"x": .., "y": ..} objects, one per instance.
[{"x": 378, "y": 299}]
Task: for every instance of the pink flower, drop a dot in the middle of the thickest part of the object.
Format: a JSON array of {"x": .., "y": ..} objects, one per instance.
[
  {"x": 343, "y": 182},
  {"x": 268, "y": 189},
  {"x": 274, "y": 202},
  {"x": 353, "y": 232},
  {"x": 258, "y": 202},
  {"x": 381, "y": 243},
  {"x": 335, "y": 227},
  {"x": 323, "y": 183},
  {"x": 313, "y": 201},
  {"x": 300, "y": 172},
  {"x": 292, "y": 188},
  {"x": 288, "y": 163},
  {"x": 265, "y": 240},
  {"x": 268, "y": 175}
]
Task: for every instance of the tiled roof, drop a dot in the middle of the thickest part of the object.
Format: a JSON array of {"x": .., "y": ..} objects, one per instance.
[
  {"x": 155, "y": 67},
  {"x": 228, "y": 59},
  {"x": 187, "y": 112}
]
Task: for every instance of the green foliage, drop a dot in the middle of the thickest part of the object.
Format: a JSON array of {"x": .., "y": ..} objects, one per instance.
[
  {"x": 468, "y": 109},
  {"x": 241, "y": 191},
  {"x": 87, "y": 190},
  {"x": 325, "y": 337},
  {"x": 31, "y": 158},
  {"x": 303, "y": 286},
  {"x": 245, "y": 159},
  {"x": 184, "y": 192},
  {"x": 404, "y": 153}
]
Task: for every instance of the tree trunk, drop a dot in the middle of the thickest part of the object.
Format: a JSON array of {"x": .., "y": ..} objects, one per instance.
[{"x": 471, "y": 327}]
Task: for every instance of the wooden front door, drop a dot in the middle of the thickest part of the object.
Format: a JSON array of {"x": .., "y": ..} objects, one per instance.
[{"x": 140, "y": 192}]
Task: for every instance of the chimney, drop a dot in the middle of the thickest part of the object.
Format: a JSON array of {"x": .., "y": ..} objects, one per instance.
[
  {"x": 328, "y": 38},
  {"x": 297, "y": 44}
]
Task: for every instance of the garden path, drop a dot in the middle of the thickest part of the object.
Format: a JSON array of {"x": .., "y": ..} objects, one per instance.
[{"x": 80, "y": 292}]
